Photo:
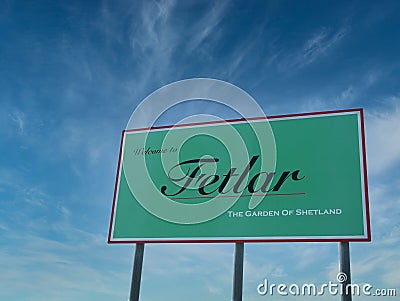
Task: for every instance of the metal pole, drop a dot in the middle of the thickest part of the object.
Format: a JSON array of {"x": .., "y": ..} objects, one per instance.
[
  {"x": 344, "y": 270},
  {"x": 137, "y": 272},
  {"x": 238, "y": 272}
]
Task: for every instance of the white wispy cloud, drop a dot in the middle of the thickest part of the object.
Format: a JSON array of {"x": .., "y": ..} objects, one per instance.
[
  {"x": 200, "y": 269},
  {"x": 342, "y": 98},
  {"x": 306, "y": 254},
  {"x": 377, "y": 265},
  {"x": 191, "y": 258},
  {"x": 215, "y": 290},
  {"x": 256, "y": 271},
  {"x": 247, "y": 51},
  {"x": 207, "y": 25},
  {"x": 73, "y": 260},
  {"x": 279, "y": 272},
  {"x": 60, "y": 275},
  {"x": 153, "y": 41},
  {"x": 382, "y": 136},
  {"x": 344, "y": 95},
  {"x": 3, "y": 227},
  {"x": 34, "y": 196},
  {"x": 317, "y": 45},
  {"x": 19, "y": 119},
  {"x": 153, "y": 28},
  {"x": 384, "y": 206}
]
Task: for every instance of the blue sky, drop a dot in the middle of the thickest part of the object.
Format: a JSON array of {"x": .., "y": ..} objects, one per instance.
[{"x": 72, "y": 72}]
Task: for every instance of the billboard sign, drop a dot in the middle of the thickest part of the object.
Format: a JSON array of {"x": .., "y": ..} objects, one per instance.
[{"x": 219, "y": 182}]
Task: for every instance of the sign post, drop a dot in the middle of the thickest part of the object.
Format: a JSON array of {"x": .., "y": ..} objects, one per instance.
[
  {"x": 238, "y": 272},
  {"x": 344, "y": 270},
  {"x": 137, "y": 272}
]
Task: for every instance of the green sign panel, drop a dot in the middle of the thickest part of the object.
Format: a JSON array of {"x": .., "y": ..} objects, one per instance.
[{"x": 283, "y": 178}]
